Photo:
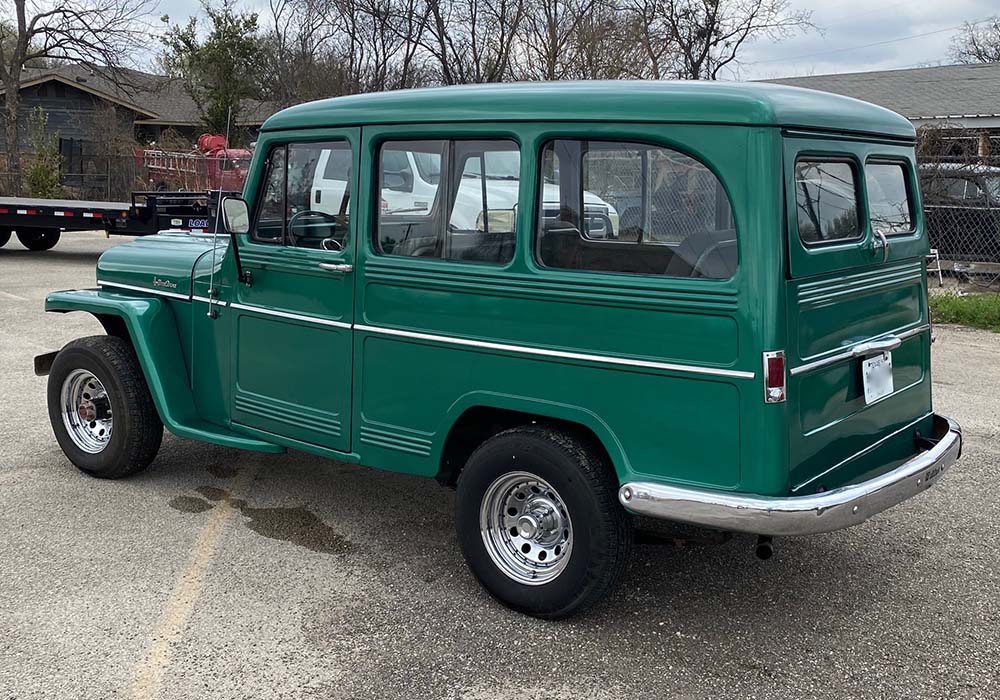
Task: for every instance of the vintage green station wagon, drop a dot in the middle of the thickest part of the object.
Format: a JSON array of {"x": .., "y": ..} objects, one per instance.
[{"x": 574, "y": 302}]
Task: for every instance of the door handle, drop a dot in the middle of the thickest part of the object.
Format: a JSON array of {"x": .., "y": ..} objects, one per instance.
[
  {"x": 338, "y": 267},
  {"x": 873, "y": 347},
  {"x": 881, "y": 243}
]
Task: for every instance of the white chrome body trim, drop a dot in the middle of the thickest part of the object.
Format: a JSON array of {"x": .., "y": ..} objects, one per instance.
[
  {"x": 148, "y": 290},
  {"x": 287, "y": 314},
  {"x": 800, "y": 515},
  {"x": 562, "y": 354},
  {"x": 465, "y": 342},
  {"x": 851, "y": 351}
]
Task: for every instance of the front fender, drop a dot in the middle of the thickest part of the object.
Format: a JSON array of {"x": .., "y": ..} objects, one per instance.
[{"x": 153, "y": 331}]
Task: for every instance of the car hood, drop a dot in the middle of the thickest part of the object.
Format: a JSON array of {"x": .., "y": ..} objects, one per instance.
[{"x": 162, "y": 263}]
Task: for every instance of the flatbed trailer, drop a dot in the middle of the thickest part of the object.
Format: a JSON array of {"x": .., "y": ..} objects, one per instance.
[{"x": 39, "y": 223}]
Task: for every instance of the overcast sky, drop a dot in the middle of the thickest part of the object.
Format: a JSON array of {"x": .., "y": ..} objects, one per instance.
[{"x": 851, "y": 35}]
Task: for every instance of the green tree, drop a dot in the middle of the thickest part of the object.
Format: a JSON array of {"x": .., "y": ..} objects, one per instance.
[
  {"x": 44, "y": 171},
  {"x": 218, "y": 69}
]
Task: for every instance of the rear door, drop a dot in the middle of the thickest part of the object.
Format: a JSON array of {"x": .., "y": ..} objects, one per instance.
[{"x": 857, "y": 306}]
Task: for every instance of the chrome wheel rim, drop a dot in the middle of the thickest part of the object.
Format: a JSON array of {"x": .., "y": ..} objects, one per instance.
[
  {"x": 86, "y": 411},
  {"x": 526, "y": 528}
]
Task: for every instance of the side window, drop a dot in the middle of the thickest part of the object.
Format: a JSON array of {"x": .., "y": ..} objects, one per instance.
[
  {"x": 450, "y": 200},
  {"x": 826, "y": 201},
  {"x": 633, "y": 208},
  {"x": 888, "y": 198},
  {"x": 269, "y": 227},
  {"x": 306, "y": 195}
]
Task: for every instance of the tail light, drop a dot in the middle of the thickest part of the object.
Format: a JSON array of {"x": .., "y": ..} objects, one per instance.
[{"x": 774, "y": 376}]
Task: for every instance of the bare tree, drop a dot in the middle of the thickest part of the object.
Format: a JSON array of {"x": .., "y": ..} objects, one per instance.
[
  {"x": 296, "y": 45},
  {"x": 99, "y": 32},
  {"x": 471, "y": 40},
  {"x": 615, "y": 41},
  {"x": 652, "y": 34},
  {"x": 546, "y": 50},
  {"x": 977, "y": 43},
  {"x": 709, "y": 34}
]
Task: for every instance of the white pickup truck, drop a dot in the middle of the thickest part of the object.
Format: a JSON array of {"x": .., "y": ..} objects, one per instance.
[{"x": 410, "y": 182}]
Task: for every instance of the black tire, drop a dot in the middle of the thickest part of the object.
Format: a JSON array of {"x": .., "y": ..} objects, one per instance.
[
  {"x": 38, "y": 238},
  {"x": 136, "y": 430},
  {"x": 4, "y": 236},
  {"x": 588, "y": 488}
]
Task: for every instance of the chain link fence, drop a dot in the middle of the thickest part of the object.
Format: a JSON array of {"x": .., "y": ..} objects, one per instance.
[
  {"x": 115, "y": 177},
  {"x": 959, "y": 174}
]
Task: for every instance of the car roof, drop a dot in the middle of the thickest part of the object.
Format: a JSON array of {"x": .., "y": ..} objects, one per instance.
[{"x": 699, "y": 102}]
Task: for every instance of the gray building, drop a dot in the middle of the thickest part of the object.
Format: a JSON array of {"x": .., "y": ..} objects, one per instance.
[{"x": 961, "y": 98}]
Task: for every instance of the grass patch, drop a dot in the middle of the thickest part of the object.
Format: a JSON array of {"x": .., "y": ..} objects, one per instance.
[{"x": 975, "y": 310}]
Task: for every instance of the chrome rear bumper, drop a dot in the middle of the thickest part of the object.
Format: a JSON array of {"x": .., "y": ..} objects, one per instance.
[{"x": 799, "y": 515}]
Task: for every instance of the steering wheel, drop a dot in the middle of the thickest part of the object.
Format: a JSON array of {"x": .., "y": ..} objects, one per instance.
[{"x": 328, "y": 243}]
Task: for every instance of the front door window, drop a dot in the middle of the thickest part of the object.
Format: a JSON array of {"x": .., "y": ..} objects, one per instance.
[{"x": 306, "y": 196}]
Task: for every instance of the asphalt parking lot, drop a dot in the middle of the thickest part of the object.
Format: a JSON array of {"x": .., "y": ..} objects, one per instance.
[{"x": 224, "y": 574}]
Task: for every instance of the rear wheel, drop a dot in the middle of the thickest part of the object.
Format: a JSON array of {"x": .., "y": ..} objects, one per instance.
[
  {"x": 4, "y": 236},
  {"x": 100, "y": 408},
  {"x": 38, "y": 238},
  {"x": 539, "y": 521}
]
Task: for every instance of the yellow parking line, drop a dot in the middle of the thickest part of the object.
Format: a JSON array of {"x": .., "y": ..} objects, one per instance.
[{"x": 150, "y": 671}]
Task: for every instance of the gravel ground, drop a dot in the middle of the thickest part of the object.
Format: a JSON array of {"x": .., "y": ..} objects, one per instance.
[{"x": 233, "y": 575}]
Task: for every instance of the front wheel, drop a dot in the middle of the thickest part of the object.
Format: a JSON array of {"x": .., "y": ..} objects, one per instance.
[
  {"x": 38, "y": 238},
  {"x": 539, "y": 521},
  {"x": 100, "y": 408}
]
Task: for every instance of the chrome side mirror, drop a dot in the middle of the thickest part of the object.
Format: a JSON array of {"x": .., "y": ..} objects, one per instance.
[{"x": 235, "y": 215}]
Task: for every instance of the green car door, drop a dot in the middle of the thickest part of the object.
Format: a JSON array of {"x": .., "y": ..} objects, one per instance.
[{"x": 293, "y": 338}]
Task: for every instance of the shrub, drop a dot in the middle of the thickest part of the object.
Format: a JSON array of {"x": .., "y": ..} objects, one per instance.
[{"x": 44, "y": 172}]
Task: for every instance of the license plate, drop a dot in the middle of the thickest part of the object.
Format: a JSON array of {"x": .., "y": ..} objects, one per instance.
[{"x": 877, "y": 375}]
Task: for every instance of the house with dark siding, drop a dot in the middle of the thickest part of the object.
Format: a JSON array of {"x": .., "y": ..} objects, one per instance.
[{"x": 77, "y": 99}]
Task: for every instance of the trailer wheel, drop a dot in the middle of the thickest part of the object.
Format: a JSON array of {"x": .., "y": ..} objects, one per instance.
[
  {"x": 38, "y": 238},
  {"x": 4, "y": 236}
]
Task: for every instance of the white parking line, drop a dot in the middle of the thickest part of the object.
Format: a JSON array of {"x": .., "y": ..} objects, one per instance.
[{"x": 8, "y": 295}]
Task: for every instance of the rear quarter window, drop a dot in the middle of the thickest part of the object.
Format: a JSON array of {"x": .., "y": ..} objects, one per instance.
[
  {"x": 826, "y": 200},
  {"x": 889, "y": 204}
]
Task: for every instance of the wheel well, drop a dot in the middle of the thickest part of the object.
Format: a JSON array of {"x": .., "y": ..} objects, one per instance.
[
  {"x": 480, "y": 423},
  {"x": 114, "y": 325}
]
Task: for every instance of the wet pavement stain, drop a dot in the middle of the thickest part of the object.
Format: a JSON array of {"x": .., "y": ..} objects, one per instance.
[
  {"x": 214, "y": 493},
  {"x": 222, "y": 471},
  {"x": 190, "y": 504},
  {"x": 297, "y": 526}
]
